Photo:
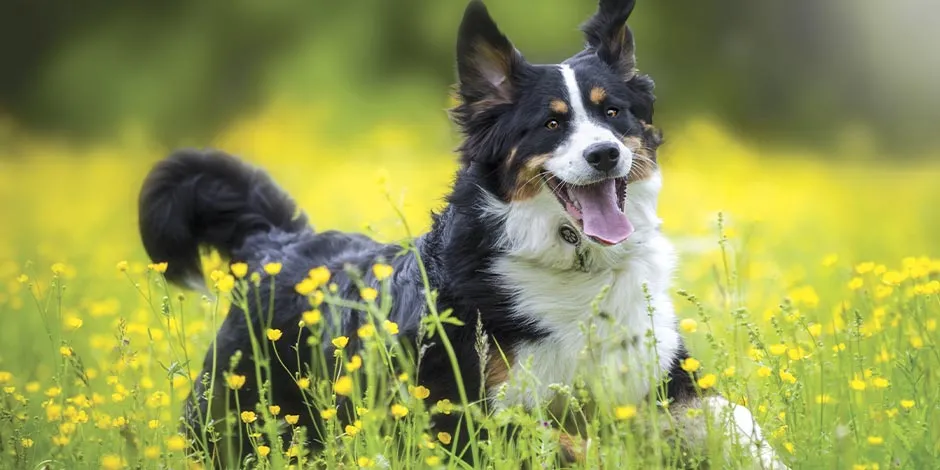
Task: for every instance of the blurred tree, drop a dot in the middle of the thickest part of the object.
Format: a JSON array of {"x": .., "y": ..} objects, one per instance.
[{"x": 799, "y": 71}]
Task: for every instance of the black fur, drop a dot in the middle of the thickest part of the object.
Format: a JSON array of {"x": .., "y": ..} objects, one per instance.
[{"x": 205, "y": 198}]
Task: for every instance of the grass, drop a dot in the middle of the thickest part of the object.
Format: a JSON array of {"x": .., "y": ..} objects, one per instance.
[{"x": 814, "y": 298}]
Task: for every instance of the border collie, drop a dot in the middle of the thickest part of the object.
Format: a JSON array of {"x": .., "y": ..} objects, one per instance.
[{"x": 552, "y": 222}]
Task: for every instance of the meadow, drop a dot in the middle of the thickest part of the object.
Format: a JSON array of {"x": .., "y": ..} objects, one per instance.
[{"x": 809, "y": 289}]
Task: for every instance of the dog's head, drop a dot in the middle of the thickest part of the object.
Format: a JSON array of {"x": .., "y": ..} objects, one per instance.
[{"x": 577, "y": 133}]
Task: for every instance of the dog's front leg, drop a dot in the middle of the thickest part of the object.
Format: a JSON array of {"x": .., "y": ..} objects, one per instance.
[{"x": 735, "y": 421}]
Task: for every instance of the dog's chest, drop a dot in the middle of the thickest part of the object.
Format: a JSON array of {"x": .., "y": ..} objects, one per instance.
[{"x": 615, "y": 326}]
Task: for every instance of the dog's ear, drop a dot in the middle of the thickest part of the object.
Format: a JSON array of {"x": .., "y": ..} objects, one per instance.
[
  {"x": 608, "y": 34},
  {"x": 486, "y": 60}
]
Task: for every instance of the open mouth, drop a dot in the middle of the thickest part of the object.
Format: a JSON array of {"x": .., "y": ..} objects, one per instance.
[{"x": 598, "y": 208}]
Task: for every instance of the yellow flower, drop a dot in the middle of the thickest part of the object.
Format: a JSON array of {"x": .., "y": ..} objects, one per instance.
[
  {"x": 444, "y": 437},
  {"x": 892, "y": 412},
  {"x": 153, "y": 424},
  {"x": 112, "y": 462},
  {"x": 624, "y": 412},
  {"x": 729, "y": 372},
  {"x": 690, "y": 364},
  {"x": 274, "y": 334},
  {"x": 263, "y": 451},
  {"x": 830, "y": 260},
  {"x": 274, "y": 409},
  {"x": 688, "y": 325},
  {"x": 786, "y": 376},
  {"x": 273, "y": 269},
  {"x": 239, "y": 270},
  {"x": 880, "y": 382},
  {"x": 907, "y": 404},
  {"x": 365, "y": 462},
  {"x": 778, "y": 349},
  {"x": 312, "y": 317},
  {"x": 305, "y": 287},
  {"x": 420, "y": 392},
  {"x": 797, "y": 353},
  {"x": 707, "y": 381},
  {"x": 340, "y": 342},
  {"x": 122, "y": 266},
  {"x": 26, "y": 442},
  {"x": 353, "y": 429},
  {"x": 368, "y": 294},
  {"x": 343, "y": 386},
  {"x": 755, "y": 354},
  {"x": 857, "y": 384},
  {"x": 249, "y": 416},
  {"x": 60, "y": 440},
  {"x": 354, "y": 363},
  {"x": 158, "y": 267},
  {"x": 815, "y": 330},
  {"x": 366, "y": 331},
  {"x": 916, "y": 342},
  {"x": 432, "y": 461},
  {"x": 875, "y": 440},
  {"x": 73, "y": 323},
  {"x": 390, "y": 327},
  {"x": 856, "y": 283},
  {"x": 328, "y": 414},
  {"x": 22, "y": 279},
  {"x": 235, "y": 381},
  {"x": 444, "y": 406},
  {"x": 225, "y": 284},
  {"x": 320, "y": 275},
  {"x": 789, "y": 447},
  {"x": 303, "y": 383},
  {"x": 65, "y": 351},
  {"x": 823, "y": 399},
  {"x": 399, "y": 411},
  {"x": 764, "y": 371},
  {"x": 53, "y": 392},
  {"x": 382, "y": 271},
  {"x": 893, "y": 278},
  {"x": 176, "y": 443},
  {"x": 865, "y": 268},
  {"x": 403, "y": 377},
  {"x": 292, "y": 419}
]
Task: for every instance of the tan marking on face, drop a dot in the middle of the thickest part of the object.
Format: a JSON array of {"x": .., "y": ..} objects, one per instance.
[
  {"x": 559, "y": 106},
  {"x": 644, "y": 161},
  {"x": 598, "y": 95},
  {"x": 529, "y": 181}
]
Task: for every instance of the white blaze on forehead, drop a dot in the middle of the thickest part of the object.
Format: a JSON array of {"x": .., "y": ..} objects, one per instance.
[
  {"x": 574, "y": 93},
  {"x": 569, "y": 163}
]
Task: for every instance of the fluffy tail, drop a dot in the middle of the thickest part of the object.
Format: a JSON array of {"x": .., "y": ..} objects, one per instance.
[{"x": 195, "y": 198}]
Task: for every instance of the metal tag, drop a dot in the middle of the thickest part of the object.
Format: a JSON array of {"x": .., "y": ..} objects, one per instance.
[{"x": 569, "y": 235}]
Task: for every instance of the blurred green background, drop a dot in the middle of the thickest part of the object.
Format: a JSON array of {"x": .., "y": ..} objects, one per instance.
[{"x": 794, "y": 73}]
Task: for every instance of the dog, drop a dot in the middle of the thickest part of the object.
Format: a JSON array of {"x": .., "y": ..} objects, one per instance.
[{"x": 552, "y": 222}]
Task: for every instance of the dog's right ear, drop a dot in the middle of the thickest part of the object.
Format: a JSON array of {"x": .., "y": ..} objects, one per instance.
[{"x": 486, "y": 60}]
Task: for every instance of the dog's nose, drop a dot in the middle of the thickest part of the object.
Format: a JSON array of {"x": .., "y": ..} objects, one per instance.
[{"x": 602, "y": 156}]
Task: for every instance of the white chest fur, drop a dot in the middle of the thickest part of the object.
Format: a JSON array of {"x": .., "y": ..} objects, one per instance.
[{"x": 612, "y": 322}]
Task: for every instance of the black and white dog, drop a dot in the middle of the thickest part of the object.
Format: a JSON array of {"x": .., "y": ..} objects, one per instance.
[{"x": 555, "y": 201}]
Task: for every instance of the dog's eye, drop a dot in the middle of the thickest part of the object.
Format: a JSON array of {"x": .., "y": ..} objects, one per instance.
[
  {"x": 613, "y": 112},
  {"x": 552, "y": 124}
]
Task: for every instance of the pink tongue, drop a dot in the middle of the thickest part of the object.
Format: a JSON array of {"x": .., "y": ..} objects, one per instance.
[{"x": 602, "y": 218}]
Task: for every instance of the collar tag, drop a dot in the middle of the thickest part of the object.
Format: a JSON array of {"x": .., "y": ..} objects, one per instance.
[{"x": 569, "y": 235}]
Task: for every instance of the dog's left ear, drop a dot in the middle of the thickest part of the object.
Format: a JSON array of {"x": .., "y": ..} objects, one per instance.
[{"x": 608, "y": 34}]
